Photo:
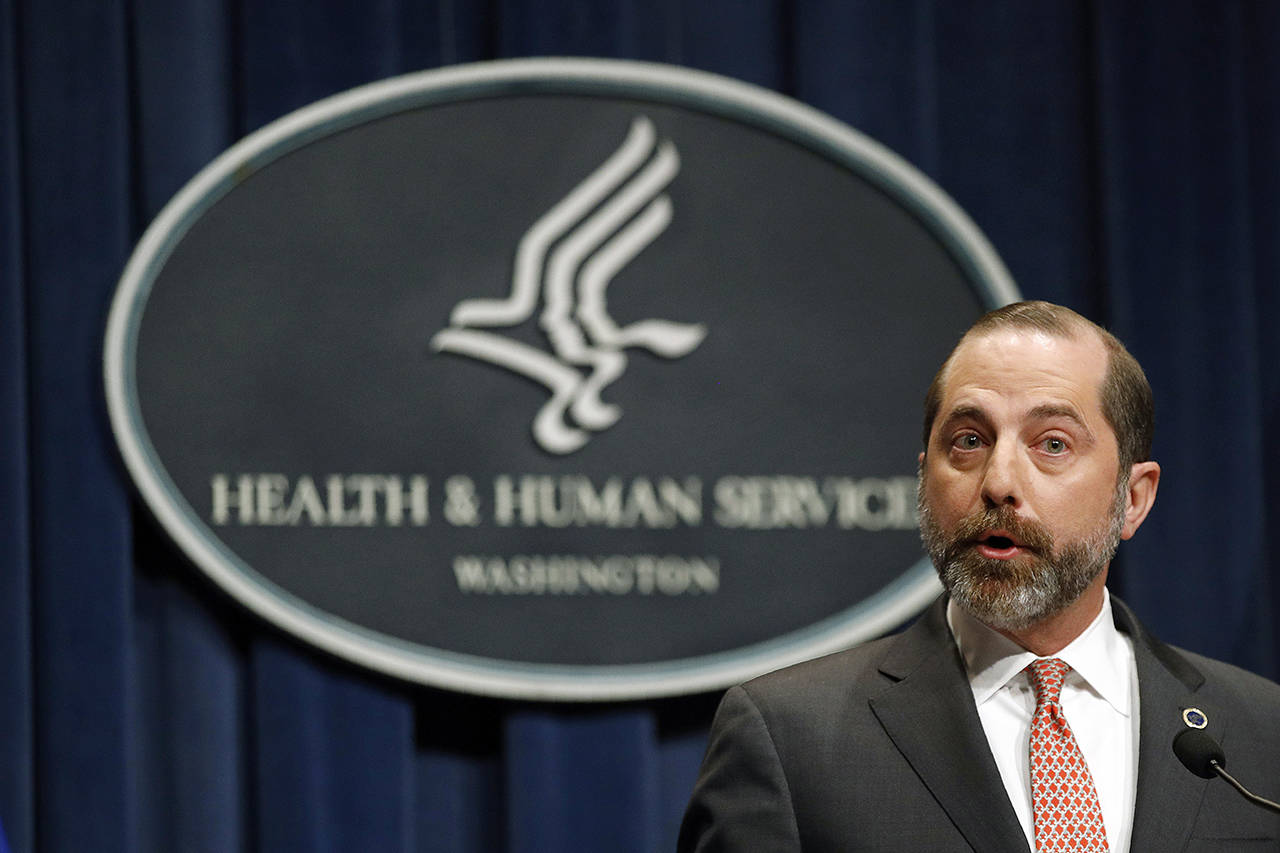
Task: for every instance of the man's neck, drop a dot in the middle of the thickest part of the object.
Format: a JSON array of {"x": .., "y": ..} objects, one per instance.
[{"x": 1054, "y": 634}]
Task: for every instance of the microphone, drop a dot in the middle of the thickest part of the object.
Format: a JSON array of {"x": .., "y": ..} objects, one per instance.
[{"x": 1201, "y": 754}]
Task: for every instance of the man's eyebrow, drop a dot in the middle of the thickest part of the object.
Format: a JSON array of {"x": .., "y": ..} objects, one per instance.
[
  {"x": 966, "y": 413},
  {"x": 1045, "y": 411},
  {"x": 1056, "y": 410}
]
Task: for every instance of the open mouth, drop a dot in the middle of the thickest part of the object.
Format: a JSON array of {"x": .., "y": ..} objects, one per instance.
[{"x": 998, "y": 545}]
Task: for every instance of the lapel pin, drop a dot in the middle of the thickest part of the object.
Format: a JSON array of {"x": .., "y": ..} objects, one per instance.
[{"x": 1195, "y": 718}]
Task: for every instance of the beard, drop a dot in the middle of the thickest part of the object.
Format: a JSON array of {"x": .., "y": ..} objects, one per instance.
[{"x": 1012, "y": 595}]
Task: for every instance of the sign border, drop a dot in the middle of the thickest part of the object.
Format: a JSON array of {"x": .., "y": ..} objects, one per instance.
[{"x": 889, "y": 607}]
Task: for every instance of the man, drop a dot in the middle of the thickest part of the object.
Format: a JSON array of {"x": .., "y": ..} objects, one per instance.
[{"x": 1035, "y": 465}]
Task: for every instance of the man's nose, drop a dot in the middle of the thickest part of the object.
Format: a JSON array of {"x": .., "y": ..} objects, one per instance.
[{"x": 1002, "y": 477}]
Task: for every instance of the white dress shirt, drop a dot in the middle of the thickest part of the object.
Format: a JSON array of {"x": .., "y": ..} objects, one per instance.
[{"x": 1099, "y": 700}]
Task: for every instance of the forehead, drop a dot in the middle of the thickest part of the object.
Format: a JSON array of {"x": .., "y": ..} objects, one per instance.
[{"x": 1031, "y": 366}]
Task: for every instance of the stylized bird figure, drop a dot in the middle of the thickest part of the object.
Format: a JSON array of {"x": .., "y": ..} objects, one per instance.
[{"x": 570, "y": 256}]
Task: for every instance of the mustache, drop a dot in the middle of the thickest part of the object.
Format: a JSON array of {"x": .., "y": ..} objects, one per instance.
[{"x": 1029, "y": 534}]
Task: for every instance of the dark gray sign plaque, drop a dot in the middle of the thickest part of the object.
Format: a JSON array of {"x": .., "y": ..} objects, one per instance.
[{"x": 561, "y": 379}]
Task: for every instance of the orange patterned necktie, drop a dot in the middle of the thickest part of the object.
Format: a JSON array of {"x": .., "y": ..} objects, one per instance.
[{"x": 1067, "y": 814}]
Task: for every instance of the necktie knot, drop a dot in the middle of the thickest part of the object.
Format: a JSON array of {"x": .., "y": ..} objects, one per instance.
[{"x": 1047, "y": 677}]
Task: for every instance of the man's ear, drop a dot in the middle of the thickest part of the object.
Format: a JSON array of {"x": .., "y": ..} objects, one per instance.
[{"x": 1144, "y": 478}]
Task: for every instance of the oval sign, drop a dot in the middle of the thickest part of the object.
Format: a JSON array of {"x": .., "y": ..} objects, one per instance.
[{"x": 557, "y": 379}]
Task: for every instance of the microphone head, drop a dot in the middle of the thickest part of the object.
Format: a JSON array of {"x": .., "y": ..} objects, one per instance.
[{"x": 1197, "y": 751}]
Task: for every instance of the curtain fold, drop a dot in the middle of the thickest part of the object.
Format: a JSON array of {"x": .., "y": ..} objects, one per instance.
[
  {"x": 190, "y": 715},
  {"x": 17, "y": 801},
  {"x": 333, "y": 756},
  {"x": 1121, "y": 158},
  {"x": 607, "y": 793},
  {"x": 1182, "y": 294},
  {"x": 78, "y": 214},
  {"x": 182, "y": 94},
  {"x": 1260, "y": 79}
]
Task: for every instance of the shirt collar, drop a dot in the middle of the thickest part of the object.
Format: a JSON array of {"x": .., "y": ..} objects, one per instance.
[{"x": 1098, "y": 655}]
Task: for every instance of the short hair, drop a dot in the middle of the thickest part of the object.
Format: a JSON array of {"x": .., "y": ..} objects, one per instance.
[{"x": 1127, "y": 403}]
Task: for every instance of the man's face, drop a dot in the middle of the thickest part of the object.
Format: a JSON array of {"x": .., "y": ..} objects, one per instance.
[{"x": 1020, "y": 504}]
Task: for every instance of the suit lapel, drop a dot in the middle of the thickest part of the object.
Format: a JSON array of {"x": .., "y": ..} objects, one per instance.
[
  {"x": 930, "y": 715},
  {"x": 1168, "y": 795}
]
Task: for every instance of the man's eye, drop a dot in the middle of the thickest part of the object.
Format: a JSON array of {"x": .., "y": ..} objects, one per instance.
[
  {"x": 968, "y": 441},
  {"x": 1054, "y": 445}
]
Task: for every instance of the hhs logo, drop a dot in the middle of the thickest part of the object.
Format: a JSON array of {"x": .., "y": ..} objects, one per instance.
[{"x": 569, "y": 257}]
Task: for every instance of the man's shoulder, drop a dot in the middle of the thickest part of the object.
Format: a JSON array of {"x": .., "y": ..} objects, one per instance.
[
  {"x": 1232, "y": 682},
  {"x": 1242, "y": 708},
  {"x": 851, "y": 675},
  {"x": 1203, "y": 675},
  {"x": 849, "y": 678}
]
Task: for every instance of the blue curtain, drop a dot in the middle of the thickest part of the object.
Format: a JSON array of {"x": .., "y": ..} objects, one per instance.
[{"x": 1121, "y": 156}]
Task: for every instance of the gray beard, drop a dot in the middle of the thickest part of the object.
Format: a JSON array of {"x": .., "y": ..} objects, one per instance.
[{"x": 1014, "y": 595}]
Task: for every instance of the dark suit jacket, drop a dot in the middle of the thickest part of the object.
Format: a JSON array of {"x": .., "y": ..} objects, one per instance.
[{"x": 881, "y": 748}]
